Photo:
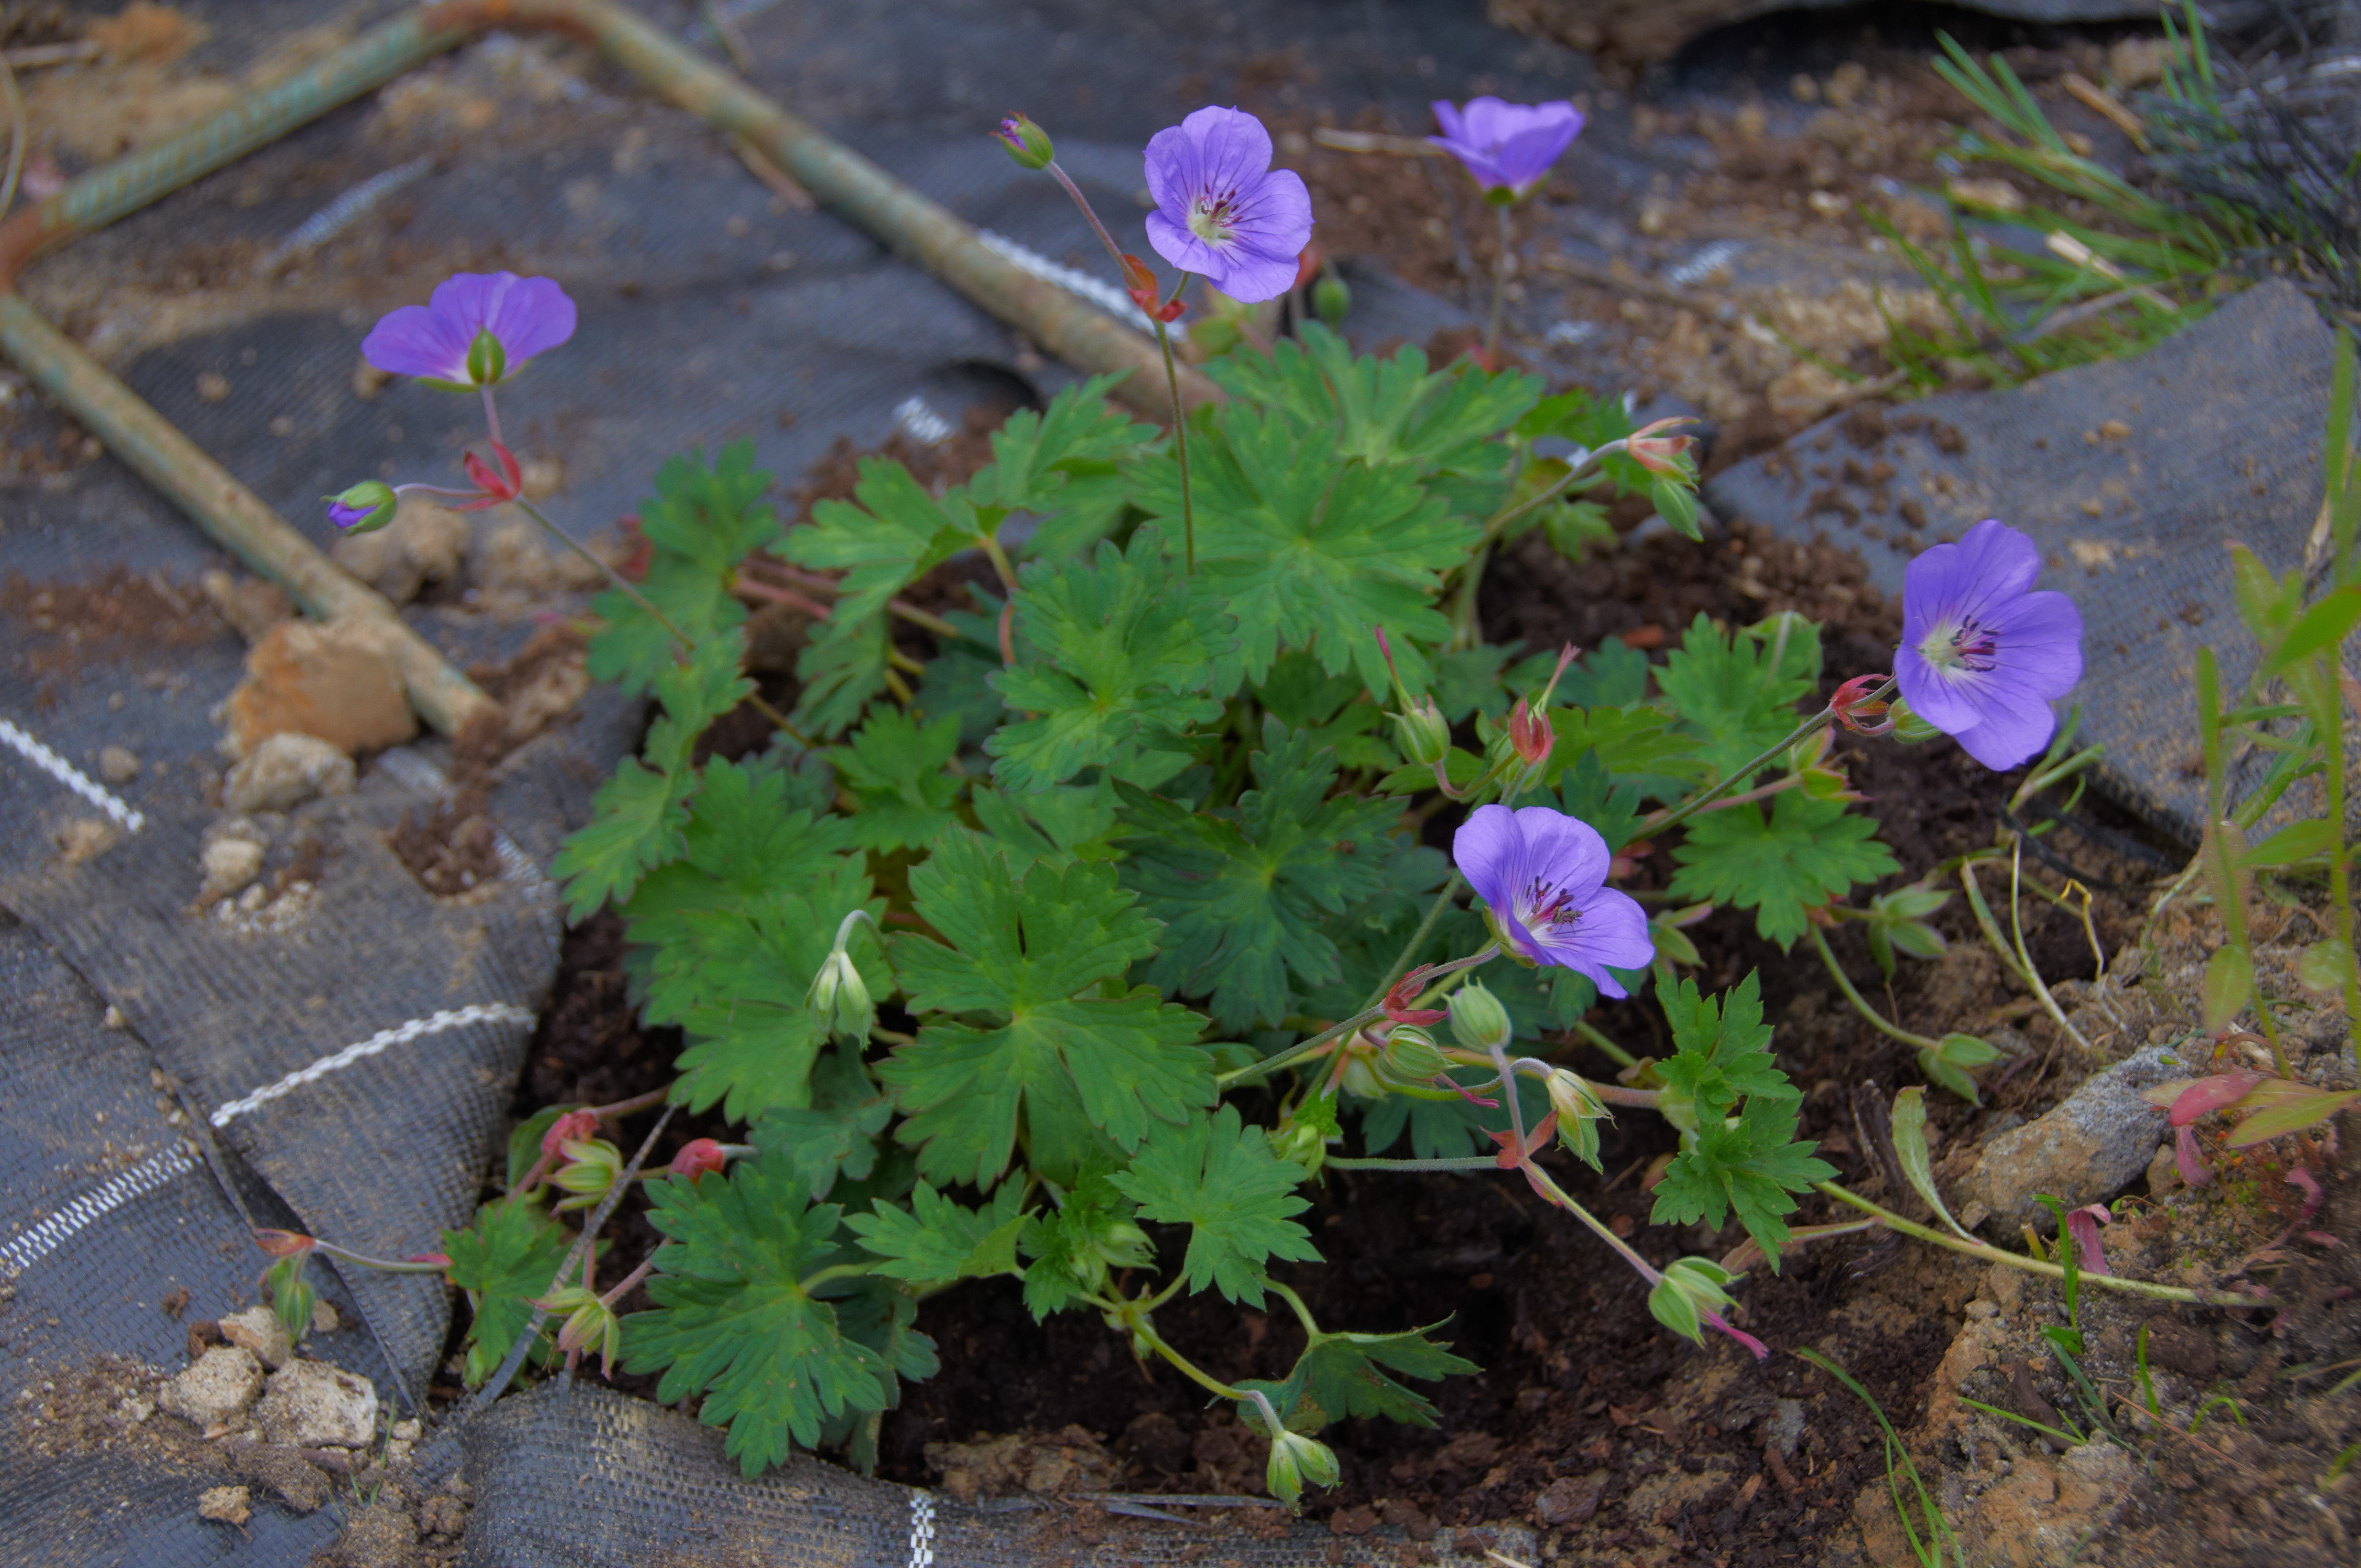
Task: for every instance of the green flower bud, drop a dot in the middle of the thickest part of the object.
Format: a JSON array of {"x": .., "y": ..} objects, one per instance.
[
  {"x": 487, "y": 360},
  {"x": 1359, "y": 1073},
  {"x": 366, "y": 508},
  {"x": 1691, "y": 1286},
  {"x": 591, "y": 1326},
  {"x": 1478, "y": 1020},
  {"x": 1908, "y": 728},
  {"x": 291, "y": 1296},
  {"x": 1331, "y": 299},
  {"x": 1295, "y": 1459},
  {"x": 1026, "y": 143},
  {"x": 1420, "y": 732},
  {"x": 1579, "y": 1112},
  {"x": 838, "y": 1001},
  {"x": 1411, "y": 1057},
  {"x": 590, "y": 1171}
]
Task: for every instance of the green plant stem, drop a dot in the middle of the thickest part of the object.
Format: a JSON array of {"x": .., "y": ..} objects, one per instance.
[
  {"x": 381, "y": 1265},
  {"x": 1986, "y": 924},
  {"x": 833, "y": 1271},
  {"x": 1471, "y": 1162},
  {"x": 1180, "y": 451},
  {"x": 1621, "y": 1056},
  {"x": 1294, "y": 1054},
  {"x": 612, "y": 576},
  {"x": 1462, "y": 605},
  {"x": 1395, "y": 970},
  {"x": 2025, "y": 959},
  {"x": 1500, "y": 261},
  {"x": 1877, "y": 1021},
  {"x": 1660, "y": 820},
  {"x": 2330, "y": 723},
  {"x": 2031, "y": 1266},
  {"x": 1141, "y": 1329},
  {"x": 1303, "y": 1313},
  {"x": 1499, "y": 521}
]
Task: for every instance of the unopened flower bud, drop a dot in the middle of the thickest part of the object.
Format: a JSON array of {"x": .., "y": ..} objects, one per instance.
[
  {"x": 1579, "y": 1112},
  {"x": 1532, "y": 734},
  {"x": 487, "y": 360},
  {"x": 1411, "y": 1057},
  {"x": 291, "y": 1296},
  {"x": 1331, "y": 299},
  {"x": 1420, "y": 732},
  {"x": 283, "y": 1244},
  {"x": 364, "y": 508},
  {"x": 591, "y": 1326},
  {"x": 1026, "y": 143},
  {"x": 1662, "y": 456},
  {"x": 1295, "y": 1459},
  {"x": 698, "y": 1156},
  {"x": 1855, "y": 711},
  {"x": 1359, "y": 1075},
  {"x": 1908, "y": 728},
  {"x": 570, "y": 1127},
  {"x": 1690, "y": 1288},
  {"x": 838, "y": 999},
  {"x": 1478, "y": 1020},
  {"x": 592, "y": 1165}
]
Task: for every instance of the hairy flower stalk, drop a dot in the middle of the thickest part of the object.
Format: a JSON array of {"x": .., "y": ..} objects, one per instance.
[
  {"x": 1982, "y": 654},
  {"x": 1506, "y": 149}
]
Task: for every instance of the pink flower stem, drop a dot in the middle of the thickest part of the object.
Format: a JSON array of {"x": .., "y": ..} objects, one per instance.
[
  {"x": 1113, "y": 250},
  {"x": 382, "y": 1265},
  {"x": 492, "y": 418},
  {"x": 647, "y": 1265},
  {"x": 1181, "y": 447}
]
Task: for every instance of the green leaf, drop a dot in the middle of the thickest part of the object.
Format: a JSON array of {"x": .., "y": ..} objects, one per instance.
[
  {"x": 1722, "y": 1050},
  {"x": 936, "y": 1242},
  {"x": 1749, "y": 1168},
  {"x": 1064, "y": 1242},
  {"x": 1738, "y": 691},
  {"x": 2229, "y": 984},
  {"x": 836, "y": 1134},
  {"x": 1311, "y": 549},
  {"x": 1248, "y": 893},
  {"x": 635, "y": 825},
  {"x": 1062, "y": 465},
  {"x": 842, "y": 672},
  {"x": 1073, "y": 1066},
  {"x": 1611, "y": 805},
  {"x": 895, "y": 773},
  {"x": 1909, "y": 1127},
  {"x": 745, "y": 838},
  {"x": 1124, "y": 668},
  {"x": 2295, "y": 842},
  {"x": 2327, "y": 623},
  {"x": 503, "y": 1261},
  {"x": 1807, "y": 853},
  {"x": 701, "y": 522},
  {"x": 733, "y": 1321},
  {"x": 1677, "y": 504},
  {"x": 1346, "y": 1374},
  {"x": 1645, "y": 747},
  {"x": 889, "y": 535},
  {"x": 1222, "y": 1179},
  {"x": 2280, "y": 1107}
]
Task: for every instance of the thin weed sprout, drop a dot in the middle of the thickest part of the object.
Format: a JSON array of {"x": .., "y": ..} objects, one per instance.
[{"x": 1938, "y": 1546}]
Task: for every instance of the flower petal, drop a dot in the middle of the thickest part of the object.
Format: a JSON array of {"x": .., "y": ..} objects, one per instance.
[
  {"x": 530, "y": 315},
  {"x": 1172, "y": 163},
  {"x": 1999, "y": 560},
  {"x": 1489, "y": 851},
  {"x": 1233, "y": 149},
  {"x": 416, "y": 341},
  {"x": 2038, "y": 642},
  {"x": 2017, "y": 730},
  {"x": 1566, "y": 852},
  {"x": 1613, "y": 930}
]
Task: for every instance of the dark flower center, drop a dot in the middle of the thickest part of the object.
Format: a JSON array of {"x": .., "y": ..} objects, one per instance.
[{"x": 1548, "y": 905}]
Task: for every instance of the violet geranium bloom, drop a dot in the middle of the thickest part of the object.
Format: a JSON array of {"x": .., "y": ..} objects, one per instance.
[
  {"x": 1221, "y": 211},
  {"x": 474, "y": 330},
  {"x": 1982, "y": 654},
  {"x": 1543, "y": 877},
  {"x": 1505, "y": 148}
]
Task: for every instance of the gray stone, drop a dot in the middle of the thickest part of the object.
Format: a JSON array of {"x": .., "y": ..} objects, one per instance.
[
  {"x": 221, "y": 1385},
  {"x": 260, "y": 1331},
  {"x": 313, "y": 1404},
  {"x": 286, "y": 770},
  {"x": 1783, "y": 1427},
  {"x": 2087, "y": 1150}
]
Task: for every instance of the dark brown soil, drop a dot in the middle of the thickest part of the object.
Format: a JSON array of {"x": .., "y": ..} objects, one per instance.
[{"x": 117, "y": 611}]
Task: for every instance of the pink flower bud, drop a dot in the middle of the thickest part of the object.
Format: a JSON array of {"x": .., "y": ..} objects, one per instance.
[
  {"x": 572, "y": 1127},
  {"x": 283, "y": 1244},
  {"x": 698, "y": 1156},
  {"x": 1856, "y": 712},
  {"x": 1532, "y": 734}
]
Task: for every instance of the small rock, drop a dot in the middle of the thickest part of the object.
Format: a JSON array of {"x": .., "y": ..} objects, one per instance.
[
  {"x": 1783, "y": 1426},
  {"x": 226, "y": 1504},
  {"x": 2085, "y": 1150},
  {"x": 229, "y": 864},
  {"x": 1570, "y": 1499},
  {"x": 212, "y": 387},
  {"x": 324, "y": 1319},
  {"x": 313, "y": 1404},
  {"x": 325, "y": 681},
  {"x": 135, "y": 1409},
  {"x": 222, "y": 1384},
  {"x": 425, "y": 543},
  {"x": 407, "y": 1431},
  {"x": 117, "y": 764},
  {"x": 284, "y": 771},
  {"x": 260, "y": 1331}
]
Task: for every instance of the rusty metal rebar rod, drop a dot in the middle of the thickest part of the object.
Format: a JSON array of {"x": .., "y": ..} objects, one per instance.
[{"x": 915, "y": 228}]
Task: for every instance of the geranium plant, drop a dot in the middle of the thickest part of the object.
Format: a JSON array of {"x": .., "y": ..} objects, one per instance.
[{"x": 1069, "y": 934}]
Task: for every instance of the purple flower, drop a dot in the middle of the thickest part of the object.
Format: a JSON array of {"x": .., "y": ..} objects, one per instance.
[
  {"x": 1982, "y": 655},
  {"x": 1543, "y": 877},
  {"x": 474, "y": 330},
  {"x": 1507, "y": 148},
  {"x": 1221, "y": 210}
]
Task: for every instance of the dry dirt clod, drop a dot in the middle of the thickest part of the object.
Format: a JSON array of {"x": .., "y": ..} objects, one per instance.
[
  {"x": 258, "y": 1329},
  {"x": 424, "y": 544},
  {"x": 323, "y": 681},
  {"x": 229, "y": 864},
  {"x": 283, "y": 772},
  {"x": 222, "y": 1384},
  {"x": 117, "y": 764},
  {"x": 249, "y": 604},
  {"x": 313, "y": 1404},
  {"x": 226, "y": 1504}
]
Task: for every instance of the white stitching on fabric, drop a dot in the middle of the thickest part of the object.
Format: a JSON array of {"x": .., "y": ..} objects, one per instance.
[
  {"x": 73, "y": 778},
  {"x": 401, "y": 1035},
  {"x": 1097, "y": 290},
  {"x": 21, "y": 1251},
  {"x": 922, "y": 1530}
]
